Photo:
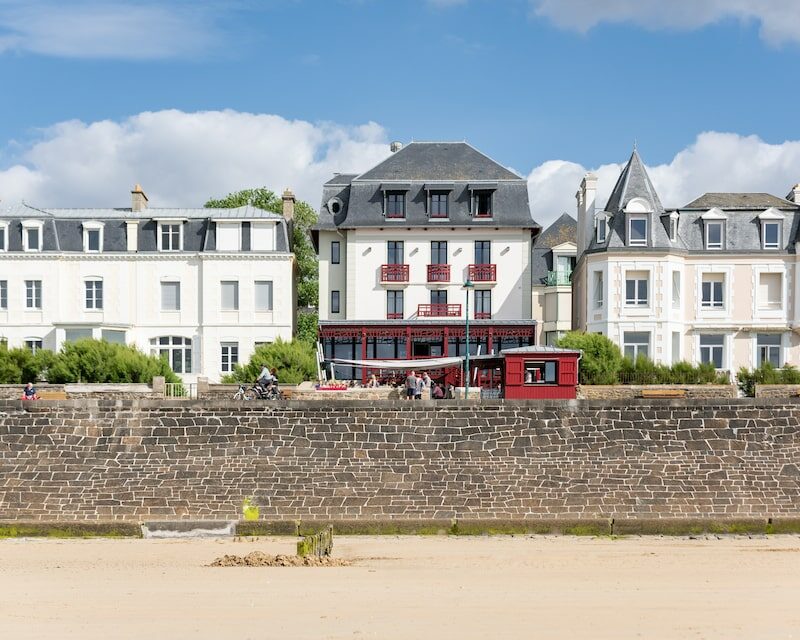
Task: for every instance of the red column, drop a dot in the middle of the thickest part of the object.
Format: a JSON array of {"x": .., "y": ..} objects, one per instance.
[
  {"x": 363, "y": 354},
  {"x": 409, "y": 355}
]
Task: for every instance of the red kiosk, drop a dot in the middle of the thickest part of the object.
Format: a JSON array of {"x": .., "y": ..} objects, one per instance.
[{"x": 540, "y": 373}]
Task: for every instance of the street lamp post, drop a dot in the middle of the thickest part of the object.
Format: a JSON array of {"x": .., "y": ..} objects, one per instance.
[{"x": 467, "y": 286}]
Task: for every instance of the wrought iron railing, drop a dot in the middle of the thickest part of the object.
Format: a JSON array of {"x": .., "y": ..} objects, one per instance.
[
  {"x": 394, "y": 273},
  {"x": 483, "y": 272},
  {"x": 439, "y": 310},
  {"x": 558, "y": 278},
  {"x": 438, "y": 273}
]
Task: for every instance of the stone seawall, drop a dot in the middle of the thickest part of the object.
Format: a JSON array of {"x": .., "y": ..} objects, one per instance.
[{"x": 91, "y": 460}]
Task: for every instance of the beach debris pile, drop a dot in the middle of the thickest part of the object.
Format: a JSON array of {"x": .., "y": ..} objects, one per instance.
[{"x": 260, "y": 559}]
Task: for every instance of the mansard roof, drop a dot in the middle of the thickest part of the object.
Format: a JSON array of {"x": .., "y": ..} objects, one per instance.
[
  {"x": 418, "y": 169},
  {"x": 633, "y": 183},
  {"x": 565, "y": 229},
  {"x": 745, "y": 201}
]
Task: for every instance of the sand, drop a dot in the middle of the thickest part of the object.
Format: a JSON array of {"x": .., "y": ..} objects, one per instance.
[{"x": 406, "y": 587}]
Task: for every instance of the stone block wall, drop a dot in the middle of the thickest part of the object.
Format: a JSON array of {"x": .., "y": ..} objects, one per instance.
[
  {"x": 92, "y": 460},
  {"x": 777, "y": 390},
  {"x": 623, "y": 391}
]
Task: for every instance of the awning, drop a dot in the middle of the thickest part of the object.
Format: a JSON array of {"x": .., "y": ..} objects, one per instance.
[{"x": 426, "y": 363}]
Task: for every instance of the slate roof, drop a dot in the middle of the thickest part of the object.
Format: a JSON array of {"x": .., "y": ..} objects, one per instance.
[
  {"x": 565, "y": 229},
  {"x": 745, "y": 201},
  {"x": 417, "y": 168},
  {"x": 633, "y": 183},
  {"x": 63, "y": 230}
]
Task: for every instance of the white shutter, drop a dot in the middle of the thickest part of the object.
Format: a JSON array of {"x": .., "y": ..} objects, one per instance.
[
  {"x": 170, "y": 296},
  {"x": 230, "y": 296},
  {"x": 262, "y": 236},
  {"x": 263, "y": 295},
  {"x": 228, "y": 236}
]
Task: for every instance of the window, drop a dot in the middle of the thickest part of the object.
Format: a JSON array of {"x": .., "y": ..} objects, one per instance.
[
  {"x": 439, "y": 252},
  {"x": 712, "y": 291},
  {"x": 33, "y": 344},
  {"x": 115, "y": 336},
  {"x": 552, "y": 337},
  {"x": 565, "y": 265},
  {"x": 170, "y": 296},
  {"x": 336, "y": 256},
  {"x": 3, "y": 236},
  {"x": 676, "y": 289},
  {"x": 598, "y": 289},
  {"x": 230, "y": 356},
  {"x": 230, "y": 295},
  {"x": 483, "y": 304},
  {"x": 169, "y": 237},
  {"x": 92, "y": 237},
  {"x": 177, "y": 351},
  {"x": 439, "y": 296},
  {"x": 395, "y": 204},
  {"x": 676, "y": 347},
  {"x": 635, "y": 344},
  {"x": 601, "y": 230},
  {"x": 714, "y": 234},
  {"x": 228, "y": 237},
  {"x": 394, "y": 305},
  {"x": 263, "y": 289},
  {"x": 33, "y": 294},
  {"x": 771, "y": 234},
  {"x": 637, "y": 231},
  {"x": 3, "y": 294},
  {"x": 94, "y": 294},
  {"x": 439, "y": 204},
  {"x": 537, "y": 372},
  {"x": 483, "y": 204},
  {"x": 394, "y": 252},
  {"x": 483, "y": 252},
  {"x": 768, "y": 349},
  {"x": 770, "y": 291},
  {"x": 335, "y": 302},
  {"x": 262, "y": 236},
  {"x": 32, "y": 235},
  {"x": 673, "y": 228},
  {"x": 712, "y": 349},
  {"x": 73, "y": 335},
  {"x": 636, "y": 285}
]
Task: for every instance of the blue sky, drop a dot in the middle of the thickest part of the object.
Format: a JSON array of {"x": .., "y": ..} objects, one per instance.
[{"x": 530, "y": 82}]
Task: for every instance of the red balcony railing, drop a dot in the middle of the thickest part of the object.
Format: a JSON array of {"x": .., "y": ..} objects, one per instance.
[
  {"x": 483, "y": 272},
  {"x": 439, "y": 311},
  {"x": 394, "y": 273},
  {"x": 483, "y": 315},
  {"x": 438, "y": 273}
]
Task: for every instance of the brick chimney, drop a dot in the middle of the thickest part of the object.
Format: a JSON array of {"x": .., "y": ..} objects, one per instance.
[
  {"x": 288, "y": 204},
  {"x": 138, "y": 199}
]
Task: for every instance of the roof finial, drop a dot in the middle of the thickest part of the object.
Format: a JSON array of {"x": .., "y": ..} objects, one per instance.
[{"x": 635, "y": 146}]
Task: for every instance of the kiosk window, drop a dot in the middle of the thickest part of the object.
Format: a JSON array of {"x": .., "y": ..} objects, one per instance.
[{"x": 537, "y": 372}]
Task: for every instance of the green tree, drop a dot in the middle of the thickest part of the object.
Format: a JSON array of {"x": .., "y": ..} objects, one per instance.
[
  {"x": 307, "y": 328},
  {"x": 304, "y": 218},
  {"x": 601, "y": 360},
  {"x": 294, "y": 362}
]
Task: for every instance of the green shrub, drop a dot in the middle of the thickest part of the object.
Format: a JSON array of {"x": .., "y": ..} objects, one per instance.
[
  {"x": 601, "y": 360},
  {"x": 766, "y": 374},
  {"x": 307, "y": 324},
  {"x": 295, "y": 362}
]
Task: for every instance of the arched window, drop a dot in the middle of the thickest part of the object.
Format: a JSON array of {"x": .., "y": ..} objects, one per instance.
[{"x": 176, "y": 350}]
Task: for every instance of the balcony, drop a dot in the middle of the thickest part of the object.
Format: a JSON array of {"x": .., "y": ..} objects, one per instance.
[
  {"x": 483, "y": 272},
  {"x": 483, "y": 315},
  {"x": 394, "y": 316},
  {"x": 559, "y": 279},
  {"x": 391, "y": 273},
  {"x": 438, "y": 273},
  {"x": 439, "y": 311}
]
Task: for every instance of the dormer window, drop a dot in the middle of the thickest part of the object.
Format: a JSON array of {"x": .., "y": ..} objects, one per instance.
[
  {"x": 771, "y": 228},
  {"x": 170, "y": 235},
  {"x": 395, "y": 204},
  {"x": 438, "y": 207},
  {"x": 92, "y": 237},
  {"x": 637, "y": 230},
  {"x": 714, "y": 232},
  {"x": 229, "y": 236},
  {"x": 673, "y": 226},
  {"x": 3, "y": 236},
  {"x": 601, "y": 229},
  {"x": 482, "y": 206},
  {"x": 32, "y": 235}
]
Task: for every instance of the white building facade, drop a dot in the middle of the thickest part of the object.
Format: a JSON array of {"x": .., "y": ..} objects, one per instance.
[
  {"x": 200, "y": 287},
  {"x": 712, "y": 281}
]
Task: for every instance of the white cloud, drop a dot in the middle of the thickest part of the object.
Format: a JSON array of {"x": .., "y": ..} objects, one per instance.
[
  {"x": 182, "y": 159},
  {"x": 103, "y": 29},
  {"x": 779, "y": 19},
  {"x": 714, "y": 162}
]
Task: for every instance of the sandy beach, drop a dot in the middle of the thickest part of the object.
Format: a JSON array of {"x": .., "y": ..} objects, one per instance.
[{"x": 405, "y": 587}]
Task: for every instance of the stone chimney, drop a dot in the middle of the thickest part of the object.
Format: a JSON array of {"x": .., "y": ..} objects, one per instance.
[
  {"x": 395, "y": 146},
  {"x": 138, "y": 199},
  {"x": 794, "y": 194},
  {"x": 288, "y": 204},
  {"x": 586, "y": 204}
]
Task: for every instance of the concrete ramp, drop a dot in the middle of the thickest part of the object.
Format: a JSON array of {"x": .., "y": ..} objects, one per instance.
[{"x": 189, "y": 529}]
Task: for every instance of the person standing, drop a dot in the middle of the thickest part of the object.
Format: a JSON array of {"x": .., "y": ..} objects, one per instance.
[
  {"x": 427, "y": 386},
  {"x": 411, "y": 385},
  {"x": 418, "y": 390}
]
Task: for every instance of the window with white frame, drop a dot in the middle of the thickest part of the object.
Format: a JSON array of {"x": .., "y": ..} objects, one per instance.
[
  {"x": 170, "y": 295},
  {"x": 673, "y": 227},
  {"x": 676, "y": 346},
  {"x": 176, "y": 350},
  {"x": 263, "y": 289},
  {"x": 771, "y": 234},
  {"x": 637, "y": 230},
  {"x": 635, "y": 344},
  {"x": 93, "y": 294},
  {"x": 230, "y": 356},
  {"x": 599, "y": 294},
  {"x": 714, "y": 234},
  {"x": 92, "y": 237},
  {"x": 601, "y": 229},
  {"x": 229, "y": 236},
  {"x": 770, "y": 291},
  {"x": 32, "y": 235},
  {"x": 170, "y": 236},
  {"x": 676, "y": 289},
  {"x": 712, "y": 349},
  {"x": 3, "y": 294},
  {"x": 636, "y": 288},
  {"x": 768, "y": 349},
  {"x": 712, "y": 291},
  {"x": 336, "y": 252},
  {"x": 262, "y": 236},
  {"x": 230, "y": 295},
  {"x": 33, "y": 294},
  {"x": 33, "y": 345},
  {"x": 3, "y": 236}
]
